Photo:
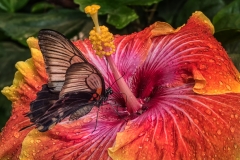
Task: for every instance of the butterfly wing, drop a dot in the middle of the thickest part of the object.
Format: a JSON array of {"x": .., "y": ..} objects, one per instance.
[
  {"x": 74, "y": 86},
  {"x": 83, "y": 88},
  {"x": 59, "y": 54}
]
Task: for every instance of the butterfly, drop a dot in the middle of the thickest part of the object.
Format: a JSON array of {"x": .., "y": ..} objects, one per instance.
[{"x": 74, "y": 85}]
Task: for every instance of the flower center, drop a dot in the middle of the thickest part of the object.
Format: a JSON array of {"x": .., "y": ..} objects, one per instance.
[{"x": 103, "y": 44}]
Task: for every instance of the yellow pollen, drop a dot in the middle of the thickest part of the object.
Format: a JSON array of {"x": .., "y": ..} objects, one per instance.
[
  {"x": 101, "y": 38},
  {"x": 92, "y": 9}
]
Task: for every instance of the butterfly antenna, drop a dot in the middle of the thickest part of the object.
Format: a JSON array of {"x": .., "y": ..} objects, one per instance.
[{"x": 117, "y": 79}]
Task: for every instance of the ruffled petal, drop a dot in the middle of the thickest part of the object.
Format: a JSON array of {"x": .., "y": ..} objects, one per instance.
[
  {"x": 190, "y": 89},
  {"x": 27, "y": 82},
  {"x": 182, "y": 125},
  {"x": 192, "y": 53}
]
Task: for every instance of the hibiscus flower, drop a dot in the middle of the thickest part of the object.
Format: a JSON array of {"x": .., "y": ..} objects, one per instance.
[{"x": 188, "y": 88}]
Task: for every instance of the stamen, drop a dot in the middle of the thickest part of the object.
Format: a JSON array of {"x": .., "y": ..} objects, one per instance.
[
  {"x": 102, "y": 41},
  {"x": 101, "y": 38}
]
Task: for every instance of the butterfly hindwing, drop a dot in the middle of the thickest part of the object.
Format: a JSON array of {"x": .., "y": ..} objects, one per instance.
[
  {"x": 67, "y": 105},
  {"x": 83, "y": 77},
  {"x": 45, "y": 99}
]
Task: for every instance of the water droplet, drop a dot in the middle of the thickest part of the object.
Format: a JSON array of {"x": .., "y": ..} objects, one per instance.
[
  {"x": 220, "y": 82},
  {"x": 86, "y": 120},
  {"x": 211, "y": 60},
  {"x": 208, "y": 111},
  {"x": 26, "y": 154},
  {"x": 232, "y": 129},
  {"x": 38, "y": 140},
  {"x": 202, "y": 66},
  {"x": 196, "y": 121},
  {"x": 219, "y": 132},
  {"x": 228, "y": 87},
  {"x": 141, "y": 134},
  {"x": 16, "y": 134},
  {"x": 123, "y": 151},
  {"x": 236, "y": 116},
  {"x": 14, "y": 117}
]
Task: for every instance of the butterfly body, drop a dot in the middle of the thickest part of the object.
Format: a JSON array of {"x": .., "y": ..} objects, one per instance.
[{"x": 74, "y": 85}]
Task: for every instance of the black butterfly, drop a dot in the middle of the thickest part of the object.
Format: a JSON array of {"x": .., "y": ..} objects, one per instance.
[{"x": 74, "y": 85}]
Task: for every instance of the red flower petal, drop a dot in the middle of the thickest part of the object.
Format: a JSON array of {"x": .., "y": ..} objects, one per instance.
[
  {"x": 183, "y": 125},
  {"x": 179, "y": 122},
  {"x": 27, "y": 82},
  {"x": 75, "y": 140}
]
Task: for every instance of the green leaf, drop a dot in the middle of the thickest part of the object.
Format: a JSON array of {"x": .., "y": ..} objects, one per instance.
[
  {"x": 236, "y": 59},
  {"x": 228, "y": 17},
  {"x": 41, "y": 6},
  {"x": 227, "y": 30},
  {"x": 208, "y": 7},
  {"x": 169, "y": 10},
  {"x": 119, "y": 13},
  {"x": 230, "y": 40},
  {"x": 12, "y": 5},
  {"x": 140, "y": 2},
  {"x": 9, "y": 55},
  {"x": 121, "y": 17},
  {"x": 21, "y": 26}
]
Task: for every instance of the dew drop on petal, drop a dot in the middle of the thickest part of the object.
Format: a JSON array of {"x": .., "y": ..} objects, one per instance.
[
  {"x": 211, "y": 60},
  {"x": 38, "y": 141},
  {"x": 14, "y": 117},
  {"x": 26, "y": 154},
  {"x": 208, "y": 111},
  {"x": 16, "y": 134},
  {"x": 87, "y": 120},
  {"x": 228, "y": 87},
  {"x": 141, "y": 134},
  {"x": 232, "y": 129},
  {"x": 235, "y": 146},
  {"x": 220, "y": 82},
  {"x": 202, "y": 66},
  {"x": 219, "y": 132},
  {"x": 196, "y": 121}
]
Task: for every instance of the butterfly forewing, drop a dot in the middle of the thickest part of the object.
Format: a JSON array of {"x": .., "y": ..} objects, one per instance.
[{"x": 59, "y": 54}]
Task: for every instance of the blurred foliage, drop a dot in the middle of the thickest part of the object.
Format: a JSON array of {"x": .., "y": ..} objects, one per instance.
[{"x": 22, "y": 19}]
